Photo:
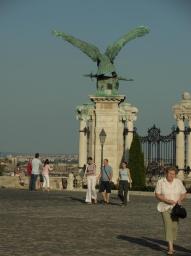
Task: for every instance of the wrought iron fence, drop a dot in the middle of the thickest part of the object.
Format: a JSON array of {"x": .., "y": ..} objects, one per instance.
[{"x": 159, "y": 150}]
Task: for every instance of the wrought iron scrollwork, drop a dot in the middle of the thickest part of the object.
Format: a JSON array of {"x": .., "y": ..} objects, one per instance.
[
  {"x": 159, "y": 150},
  {"x": 154, "y": 134}
]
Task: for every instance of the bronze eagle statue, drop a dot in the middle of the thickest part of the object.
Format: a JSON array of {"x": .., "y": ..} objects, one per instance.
[{"x": 105, "y": 61}]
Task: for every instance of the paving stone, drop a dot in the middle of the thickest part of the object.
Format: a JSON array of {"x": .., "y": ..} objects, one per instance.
[{"x": 60, "y": 223}]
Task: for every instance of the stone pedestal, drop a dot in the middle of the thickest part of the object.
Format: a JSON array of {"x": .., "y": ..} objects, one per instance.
[
  {"x": 116, "y": 117},
  {"x": 107, "y": 118},
  {"x": 112, "y": 115}
]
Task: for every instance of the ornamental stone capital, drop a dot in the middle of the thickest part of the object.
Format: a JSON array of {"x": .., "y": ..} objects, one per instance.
[
  {"x": 127, "y": 112},
  {"x": 179, "y": 116},
  {"x": 84, "y": 112},
  {"x": 182, "y": 110},
  {"x": 186, "y": 96}
]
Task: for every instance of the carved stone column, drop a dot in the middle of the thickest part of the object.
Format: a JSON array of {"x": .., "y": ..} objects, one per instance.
[
  {"x": 188, "y": 160},
  {"x": 129, "y": 115},
  {"x": 180, "y": 148},
  {"x": 83, "y": 114},
  {"x": 82, "y": 144},
  {"x": 129, "y": 136},
  {"x": 182, "y": 113}
]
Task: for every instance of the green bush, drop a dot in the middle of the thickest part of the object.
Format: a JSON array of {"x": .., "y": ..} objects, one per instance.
[
  {"x": 136, "y": 164},
  {"x": 2, "y": 168}
]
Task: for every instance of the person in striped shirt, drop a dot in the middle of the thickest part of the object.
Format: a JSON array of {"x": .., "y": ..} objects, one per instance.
[{"x": 90, "y": 173}]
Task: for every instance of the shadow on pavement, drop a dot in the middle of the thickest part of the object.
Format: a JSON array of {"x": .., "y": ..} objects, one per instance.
[
  {"x": 99, "y": 201},
  {"x": 142, "y": 242},
  {"x": 112, "y": 203},
  {"x": 78, "y": 199},
  {"x": 176, "y": 247},
  {"x": 154, "y": 244}
]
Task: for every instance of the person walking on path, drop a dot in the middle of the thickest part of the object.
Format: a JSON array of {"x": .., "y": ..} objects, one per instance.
[
  {"x": 125, "y": 182},
  {"x": 29, "y": 168},
  {"x": 169, "y": 191},
  {"x": 36, "y": 166},
  {"x": 45, "y": 174},
  {"x": 29, "y": 171},
  {"x": 105, "y": 177},
  {"x": 90, "y": 173}
]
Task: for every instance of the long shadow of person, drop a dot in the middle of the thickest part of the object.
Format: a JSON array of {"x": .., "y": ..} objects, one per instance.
[
  {"x": 78, "y": 199},
  {"x": 83, "y": 201},
  {"x": 154, "y": 244},
  {"x": 142, "y": 242},
  {"x": 176, "y": 247}
]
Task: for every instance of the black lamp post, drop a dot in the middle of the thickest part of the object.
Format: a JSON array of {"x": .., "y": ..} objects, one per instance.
[{"x": 102, "y": 137}]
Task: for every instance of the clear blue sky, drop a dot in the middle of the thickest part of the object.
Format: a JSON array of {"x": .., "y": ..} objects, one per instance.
[{"x": 41, "y": 77}]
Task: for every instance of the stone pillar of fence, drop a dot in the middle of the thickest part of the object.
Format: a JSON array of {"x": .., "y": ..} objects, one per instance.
[
  {"x": 180, "y": 150},
  {"x": 182, "y": 114},
  {"x": 189, "y": 146}
]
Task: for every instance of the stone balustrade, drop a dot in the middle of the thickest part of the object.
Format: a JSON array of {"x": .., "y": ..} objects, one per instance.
[{"x": 56, "y": 183}]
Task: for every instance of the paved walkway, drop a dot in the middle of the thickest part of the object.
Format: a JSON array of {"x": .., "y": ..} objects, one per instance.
[{"x": 59, "y": 223}]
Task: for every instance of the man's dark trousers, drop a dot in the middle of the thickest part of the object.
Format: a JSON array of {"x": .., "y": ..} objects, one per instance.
[{"x": 33, "y": 179}]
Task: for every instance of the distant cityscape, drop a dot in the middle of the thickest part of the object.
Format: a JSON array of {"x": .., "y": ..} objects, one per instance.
[
  {"x": 23, "y": 157},
  {"x": 63, "y": 164}
]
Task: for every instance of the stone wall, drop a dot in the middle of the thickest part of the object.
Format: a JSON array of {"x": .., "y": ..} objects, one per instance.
[{"x": 13, "y": 182}]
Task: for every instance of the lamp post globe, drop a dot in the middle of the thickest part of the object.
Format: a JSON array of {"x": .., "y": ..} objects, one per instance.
[{"x": 102, "y": 136}]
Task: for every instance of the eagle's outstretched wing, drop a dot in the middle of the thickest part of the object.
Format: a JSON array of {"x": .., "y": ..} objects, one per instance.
[
  {"x": 89, "y": 49},
  {"x": 113, "y": 50}
]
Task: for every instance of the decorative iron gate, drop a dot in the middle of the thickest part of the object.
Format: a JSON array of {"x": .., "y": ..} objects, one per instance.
[{"x": 159, "y": 151}]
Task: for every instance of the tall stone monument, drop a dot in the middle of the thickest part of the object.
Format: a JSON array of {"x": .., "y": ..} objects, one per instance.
[
  {"x": 116, "y": 117},
  {"x": 107, "y": 110}
]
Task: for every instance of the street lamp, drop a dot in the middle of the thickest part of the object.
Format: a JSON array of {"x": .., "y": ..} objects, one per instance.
[{"x": 102, "y": 137}]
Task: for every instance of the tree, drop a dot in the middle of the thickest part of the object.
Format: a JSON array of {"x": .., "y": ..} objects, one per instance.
[
  {"x": 136, "y": 163},
  {"x": 2, "y": 169}
]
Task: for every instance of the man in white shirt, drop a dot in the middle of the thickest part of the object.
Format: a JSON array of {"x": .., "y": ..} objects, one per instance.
[{"x": 36, "y": 166}]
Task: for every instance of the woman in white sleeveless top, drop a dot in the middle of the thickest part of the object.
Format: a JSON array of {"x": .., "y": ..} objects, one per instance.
[{"x": 125, "y": 182}]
